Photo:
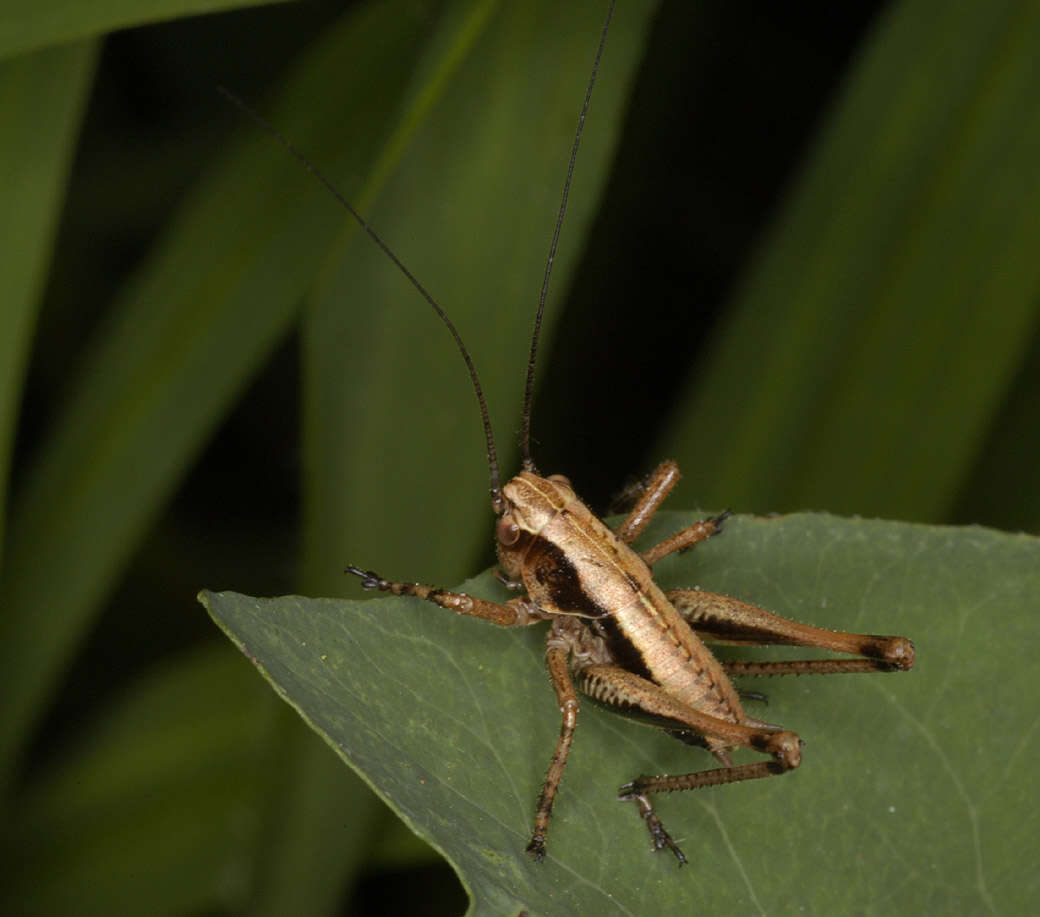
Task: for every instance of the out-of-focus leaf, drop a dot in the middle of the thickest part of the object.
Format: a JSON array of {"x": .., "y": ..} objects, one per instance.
[
  {"x": 913, "y": 796},
  {"x": 30, "y": 24},
  {"x": 154, "y": 809},
  {"x": 393, "y": 445},
  {"x": 41, "y": 102},
  {"x": 185, "y": 338},
  {"x": 1005, "y": 486},
  {"x": 891, "y": 306}
]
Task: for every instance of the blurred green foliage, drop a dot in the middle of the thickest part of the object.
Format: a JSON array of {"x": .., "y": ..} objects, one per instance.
[{"x": 809, "y": 276}]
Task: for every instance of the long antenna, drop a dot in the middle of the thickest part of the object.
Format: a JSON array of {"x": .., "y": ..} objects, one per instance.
[
  {"x": 525, "y": 428},
  {"x": 497, "y": 502}
]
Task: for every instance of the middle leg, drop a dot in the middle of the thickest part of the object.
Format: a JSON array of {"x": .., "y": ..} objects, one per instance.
[
  {"x": 556, "y": 661},
  {"x": 654, "y": 492}
]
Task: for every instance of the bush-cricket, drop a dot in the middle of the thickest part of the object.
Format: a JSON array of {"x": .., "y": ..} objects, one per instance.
[{"x": 614, "y": 634}]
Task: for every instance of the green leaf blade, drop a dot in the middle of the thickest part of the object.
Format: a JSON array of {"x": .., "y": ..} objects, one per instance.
[
  {"x": 32, "y": 24},
  {"x": 42, "y": 98},
  {"x": 187, "y": 334},
  {"x": 388, "y": 407},
  {"x": 451, "y": 720},
  {"x": 165, "y": 783},
  {"x": 906, "y": 248}
]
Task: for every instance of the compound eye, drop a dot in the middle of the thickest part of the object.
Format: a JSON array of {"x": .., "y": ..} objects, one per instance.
[
  {"x": 507, "y": 531},
  {"x": 561, "y": 479}
]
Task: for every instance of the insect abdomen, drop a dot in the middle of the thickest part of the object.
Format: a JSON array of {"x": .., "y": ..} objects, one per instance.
[{"x": 676, "y": 658}]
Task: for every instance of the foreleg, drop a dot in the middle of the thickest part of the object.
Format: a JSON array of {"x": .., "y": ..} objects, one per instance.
[
  {"x": 556, "y": 662},
  {"x": 514, "y": 613}
]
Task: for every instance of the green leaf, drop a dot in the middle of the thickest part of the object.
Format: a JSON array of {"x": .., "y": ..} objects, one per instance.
[
  {"x": 41, "y": 102},
  {"x": 470, "y": 210},
  {"x": 891, "y": 305},
  {"x": 1005, "y": 485},
  {"x": 914, "y": 795},
  {"x": 181, "y": 798},
  {"x": 29, "y": 24},
  {"x": 185, "y": 337},
  {"x": 152, "y": 807},
  {"x": 315, "y": 836}
]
